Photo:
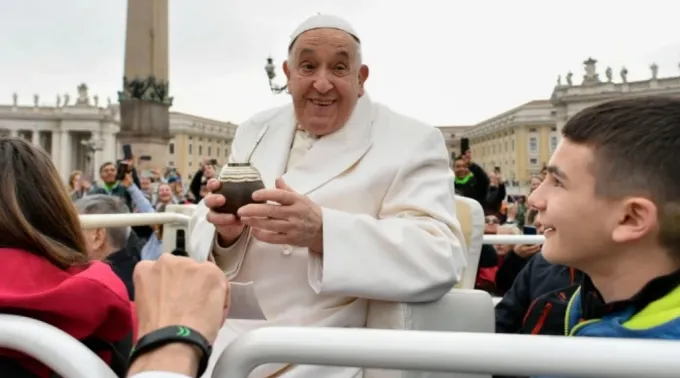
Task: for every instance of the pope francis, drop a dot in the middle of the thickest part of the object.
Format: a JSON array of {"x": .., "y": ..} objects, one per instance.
[{"x": 358, "y": 205}]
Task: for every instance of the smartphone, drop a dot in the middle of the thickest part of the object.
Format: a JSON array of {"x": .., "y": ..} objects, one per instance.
[
  {"x": 127, "y": 152},
  {"x": 123, "y": 169},
  {"x": 145, "y": 158},
  {"x": 529, "y": 230},
  {"x": 497, "y": 169},
  {"x": 213, "y": 161},
  {"x": 464, "y": 145}
]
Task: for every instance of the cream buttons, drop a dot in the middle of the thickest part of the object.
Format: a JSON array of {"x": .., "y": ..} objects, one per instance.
[{"x": 287, "y": 250}]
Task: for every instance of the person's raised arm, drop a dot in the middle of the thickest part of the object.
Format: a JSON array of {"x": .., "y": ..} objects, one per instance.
[{"x": 136, "y": 195}]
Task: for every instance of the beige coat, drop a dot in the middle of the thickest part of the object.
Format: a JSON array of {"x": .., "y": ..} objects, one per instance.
[{"x": 390, "y": 230}]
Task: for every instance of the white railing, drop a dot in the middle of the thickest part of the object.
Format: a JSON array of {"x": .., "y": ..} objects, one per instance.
[
  {"x": 514, "y": 239},
  {"x": 142, "y": 219},
  {"x": 64, "y": 354},
  {"x": 522, "y": 355}
]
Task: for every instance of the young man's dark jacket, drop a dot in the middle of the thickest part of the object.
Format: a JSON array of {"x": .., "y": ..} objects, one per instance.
[
  {"x": 525, "y": 306},
  {"x": 546, "y": 314},
  {"x": 475, "y": 185},
  {"x": 579, "y": 309}
]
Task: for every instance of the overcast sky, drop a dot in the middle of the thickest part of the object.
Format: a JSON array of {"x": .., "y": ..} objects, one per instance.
[{"x": 445, "y": 62}]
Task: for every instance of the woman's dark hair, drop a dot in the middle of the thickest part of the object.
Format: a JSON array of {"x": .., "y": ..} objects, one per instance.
[{"x": 36, "y": 212}]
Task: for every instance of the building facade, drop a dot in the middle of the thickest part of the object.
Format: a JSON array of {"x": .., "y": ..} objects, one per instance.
[
  {"x": 521, "y": 141},
  {"x": 452, "y": 136},
  {"x": 195, "y": 138},
  {"x": 518, "y": 142},
  {"x": 83, "y": 135}
]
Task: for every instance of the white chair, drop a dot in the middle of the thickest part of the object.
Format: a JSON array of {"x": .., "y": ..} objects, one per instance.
[
  {"x": 58, "y": 350},
  {"x": 461, "y": 310},
  {"x": 471, "y": 217}
]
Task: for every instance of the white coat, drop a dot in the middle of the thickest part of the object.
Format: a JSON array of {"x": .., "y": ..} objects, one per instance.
[{"x": 389, "y": 225}]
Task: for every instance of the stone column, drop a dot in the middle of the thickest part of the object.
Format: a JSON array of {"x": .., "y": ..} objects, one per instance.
[
  {"x": 145, "y": 97},
  {"x": 35, "y": 138},
  {"x": 109, "y": 144},
  {"x": 55, "y": 148},
  {"x": 98, "y": 156},
  {"x": 65, "y": 153}
]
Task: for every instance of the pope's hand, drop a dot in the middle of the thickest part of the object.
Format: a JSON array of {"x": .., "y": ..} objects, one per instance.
[
  {"x": 293, "y": 219},
  {"x": 228, "y": 227},
  {"x": 178, "y": 291}
]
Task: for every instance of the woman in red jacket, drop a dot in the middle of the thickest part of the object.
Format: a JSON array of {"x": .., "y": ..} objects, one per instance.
[{"x": 45, "y": 272}]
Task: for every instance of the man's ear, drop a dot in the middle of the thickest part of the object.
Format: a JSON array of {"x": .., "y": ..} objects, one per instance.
[
  {"x": 286, "y": 69},
  {"x": 638, "y": 219},
  {"x": 99, "y": 239},
  {"x": 363, "y": 76}
]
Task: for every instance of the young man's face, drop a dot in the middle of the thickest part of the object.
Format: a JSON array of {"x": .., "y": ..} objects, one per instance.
[
  {"x": 460, "y": 168},
  {"x": 579, "y": 226}
]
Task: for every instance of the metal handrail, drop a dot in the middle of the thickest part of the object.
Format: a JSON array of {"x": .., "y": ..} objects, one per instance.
[
  {"x": 140, "y": 219},
  {"x": 522, "y": 355},
  {"x": 514, "y": 239},
  {"x": 64, "y": 354}
]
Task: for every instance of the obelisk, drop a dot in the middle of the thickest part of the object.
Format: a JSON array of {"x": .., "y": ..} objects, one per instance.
[{"x": 145, "y": 97}]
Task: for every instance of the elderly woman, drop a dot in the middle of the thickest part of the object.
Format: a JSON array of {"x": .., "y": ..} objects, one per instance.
[{"x": 513, "y": 257}]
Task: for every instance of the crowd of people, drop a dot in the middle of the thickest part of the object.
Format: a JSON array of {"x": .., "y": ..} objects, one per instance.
[
  {"x": 352, "y": 211},
  {"x": 505, "y": 214}
]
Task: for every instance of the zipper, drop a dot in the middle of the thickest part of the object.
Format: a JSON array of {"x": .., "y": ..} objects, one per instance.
[
  {"x": 567, "y": 317},
  {"x": 568, "y": 312},
  {"x": 541, "y": 319}
]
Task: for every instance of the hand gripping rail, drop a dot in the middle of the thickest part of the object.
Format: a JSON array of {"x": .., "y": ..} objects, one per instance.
[
  {"x": 140, "y": 219},
  {"x": 449, "y": 352},
  {"x": 67, "y": 356}
]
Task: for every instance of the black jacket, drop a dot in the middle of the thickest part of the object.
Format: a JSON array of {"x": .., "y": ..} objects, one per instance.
[
  {"x": 123, "y": 262},
  {"x": 477, "y": 187},
  {"x": 537, "y": 284}
]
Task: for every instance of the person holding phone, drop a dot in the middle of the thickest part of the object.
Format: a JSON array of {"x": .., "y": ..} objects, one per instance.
[
  {"x": 495, "y": 194},
  {"x": 111, "y": 175},
  {"x": 207, "y": 171}
]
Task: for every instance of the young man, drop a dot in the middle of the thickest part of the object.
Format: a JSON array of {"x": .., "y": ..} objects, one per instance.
[
  {"x": 471, "y": 181},
  {"x": 610, "y": 205}
]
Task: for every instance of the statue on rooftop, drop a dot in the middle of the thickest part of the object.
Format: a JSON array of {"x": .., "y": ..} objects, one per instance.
[
  {"x": 608, "y": 73},
  {"x": 624, "y": 74}
]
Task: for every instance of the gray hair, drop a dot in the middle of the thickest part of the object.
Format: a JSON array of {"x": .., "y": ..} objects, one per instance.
[
  {"x": 357, "y": 44},
  {"x": 105, "y": 204}
]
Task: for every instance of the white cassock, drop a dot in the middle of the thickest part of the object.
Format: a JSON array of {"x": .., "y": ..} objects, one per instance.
[{"x": 389, "y": 225}]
